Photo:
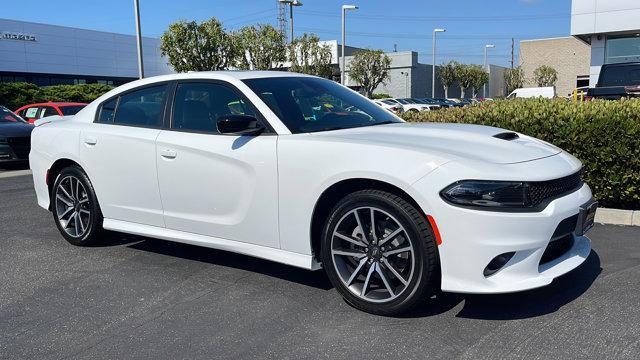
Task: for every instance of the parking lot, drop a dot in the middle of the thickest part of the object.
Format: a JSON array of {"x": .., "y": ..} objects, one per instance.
[{"x": 143, "y": 298}]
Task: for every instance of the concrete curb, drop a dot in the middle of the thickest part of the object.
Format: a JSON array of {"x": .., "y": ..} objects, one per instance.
[
  {"x": 618, "y": 217},
  {"x": 13, "y": 173}
]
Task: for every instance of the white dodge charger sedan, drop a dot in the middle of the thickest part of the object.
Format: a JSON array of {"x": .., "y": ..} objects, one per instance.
[{"x": 303, "y": 171}]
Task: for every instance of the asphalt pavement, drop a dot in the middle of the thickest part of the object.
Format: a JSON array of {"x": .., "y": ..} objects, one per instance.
[{"x": 141, "y": 298}]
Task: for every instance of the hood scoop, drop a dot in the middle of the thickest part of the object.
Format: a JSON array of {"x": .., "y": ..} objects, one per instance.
[{"x": 508, "y": 136}]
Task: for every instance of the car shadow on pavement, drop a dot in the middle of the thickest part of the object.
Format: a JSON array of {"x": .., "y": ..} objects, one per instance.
[
  {"x": 521, "y": 305},
  {"x": 16, "y": 166},
  {"x": 316, "y": 279}
]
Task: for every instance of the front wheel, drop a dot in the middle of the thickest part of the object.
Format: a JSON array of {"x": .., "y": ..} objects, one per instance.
[
  {"x": 75, "y": 207},
  {"x": 379, "y": 252}
]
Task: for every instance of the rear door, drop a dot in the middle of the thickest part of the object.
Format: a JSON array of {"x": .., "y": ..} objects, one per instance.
[
  {"x": 223, "y": 186},
  {"x": 119, "y": 154}
]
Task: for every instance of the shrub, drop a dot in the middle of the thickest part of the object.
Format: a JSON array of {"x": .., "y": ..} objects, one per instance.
[
  {"x": 75, "y": 93},
  {"x": 377, "y": 96},
  {"x": 604, "y": 135},
  {"x": 15, "y": 95}
]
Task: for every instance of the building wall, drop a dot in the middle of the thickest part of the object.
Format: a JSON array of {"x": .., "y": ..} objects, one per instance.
[
  {"x": 72, "y": 51},
  {"x": 569, "y": 56},
  {"x": 602, "y": 24}
]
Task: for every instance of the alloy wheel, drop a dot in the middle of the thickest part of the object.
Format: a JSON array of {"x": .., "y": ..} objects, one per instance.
[
  {"x": 73, "y": 206},
  {"x": 372, "y": 254}
]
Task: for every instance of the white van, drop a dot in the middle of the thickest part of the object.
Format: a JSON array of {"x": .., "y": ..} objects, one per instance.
[{"x": 545, "y": 92}]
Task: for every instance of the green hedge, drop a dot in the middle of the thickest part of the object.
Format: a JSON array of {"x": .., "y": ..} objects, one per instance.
[
  {"x": 605, "y": 135},
  {"x": 15, "y": 95}
]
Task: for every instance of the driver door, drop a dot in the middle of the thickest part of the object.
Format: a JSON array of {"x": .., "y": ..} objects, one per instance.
[{"x": 217, "y": 185}]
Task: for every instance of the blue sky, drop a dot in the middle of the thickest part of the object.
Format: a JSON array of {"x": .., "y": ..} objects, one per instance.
[{"x": 377, "y": 24}]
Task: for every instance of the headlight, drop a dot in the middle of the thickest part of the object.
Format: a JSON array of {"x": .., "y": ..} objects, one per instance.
[{"x": 488, "y": 194}]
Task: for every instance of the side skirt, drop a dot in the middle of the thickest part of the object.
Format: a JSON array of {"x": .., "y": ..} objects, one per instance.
[{"x": 263, "y": 252}]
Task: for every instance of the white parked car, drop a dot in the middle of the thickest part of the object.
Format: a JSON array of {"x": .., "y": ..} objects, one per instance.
[
  {"x": 390, "y": 105},
  {"x": 410, "y": 106},
  {"x": 272, "y": 165}
]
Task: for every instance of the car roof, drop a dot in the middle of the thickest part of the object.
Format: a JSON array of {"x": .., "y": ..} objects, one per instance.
[{"x": 59, "y": 104}]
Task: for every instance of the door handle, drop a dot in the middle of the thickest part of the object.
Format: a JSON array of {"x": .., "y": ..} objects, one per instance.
[
  {"x": 168, "y": 154},
  {"x": 90, "y": 141}
]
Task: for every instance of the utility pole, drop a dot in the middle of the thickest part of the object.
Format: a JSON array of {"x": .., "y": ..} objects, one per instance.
[
  {"x": 282, "y": 20},
  {"x": 136, "y": 7},
  {"x": 513, "y": 47}
]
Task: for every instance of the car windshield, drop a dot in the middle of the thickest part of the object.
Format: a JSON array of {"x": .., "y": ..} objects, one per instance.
[
  {"x": 306, "y": 104},
  {"x": 71, "y": 109},
  {"x": 7, "y": 116}
]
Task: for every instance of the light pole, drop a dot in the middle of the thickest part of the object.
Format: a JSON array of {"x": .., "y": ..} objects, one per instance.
[
  {"x": 484, "y": 87},
  {"x": 136, "y": 7},
  {"x": 291, "y": 3},
  {"x": 433, "y": 66},
  {"x": 406, "y": 78},
  {"x": 343, "y": 79}
]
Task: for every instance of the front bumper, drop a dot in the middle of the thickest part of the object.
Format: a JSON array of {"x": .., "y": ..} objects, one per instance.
[
  {"x": 472, "y": 238},
  {"x": 10, "y": 154}
]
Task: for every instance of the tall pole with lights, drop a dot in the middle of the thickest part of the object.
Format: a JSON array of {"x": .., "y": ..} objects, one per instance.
[
  {"x": 136, "y": 7},
  {"x": 291, "y": 3},
  {"x": 343, "y": 80},
  {"x": 433, "y": 66},
  {"x": 486, "y": 68}
]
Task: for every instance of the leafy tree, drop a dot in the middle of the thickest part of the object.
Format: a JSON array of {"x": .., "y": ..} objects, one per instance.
[
  {"x": 370, "y": 68},
  {"x": 545, "y": 76},
  {"x": 308, "y": 56},
  {"x": 514, "y": 79},
  {"x": 464, "y": 75},
  {"x": 260, "y": 47},
  {"x": 190, "y": 46},
  {"x": 479, "y": 77},
  {"x": 447, "y": 74}
]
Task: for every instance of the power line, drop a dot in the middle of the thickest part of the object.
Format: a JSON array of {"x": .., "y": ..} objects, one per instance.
[{"x": 387, "y": 17}]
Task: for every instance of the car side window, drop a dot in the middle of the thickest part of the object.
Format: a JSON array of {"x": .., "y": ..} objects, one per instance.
[
  {"x": 198, "y": 106},
  {"x": 50, "y": 111},
  {"x": 142, "y": 107},
  {"x": 107, "y": 110}
]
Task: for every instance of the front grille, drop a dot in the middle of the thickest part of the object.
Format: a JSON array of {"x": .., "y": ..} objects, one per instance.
[
  {"x": 541, "y": 191},
  {"x": 21, "y": 146},
  {"x": 19, "y": 141}
]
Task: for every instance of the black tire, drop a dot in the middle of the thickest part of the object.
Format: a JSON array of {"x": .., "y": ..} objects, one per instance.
[
  {"x": 91, "y": 224},
  {"x": 424, "y": 280}
]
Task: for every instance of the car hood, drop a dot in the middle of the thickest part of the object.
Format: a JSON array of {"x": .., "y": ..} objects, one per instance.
[
  {"x": 461, "y": 141},
  {"x": 15, "y": 129}
]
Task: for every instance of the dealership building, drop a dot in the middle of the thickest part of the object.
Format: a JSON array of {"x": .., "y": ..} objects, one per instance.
[
  {"x": 611, "y": 28},
  {"x": 51, "y": 55}
]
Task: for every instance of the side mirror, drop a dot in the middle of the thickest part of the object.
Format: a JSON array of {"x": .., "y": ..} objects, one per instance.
[{"x": 239, "y": 125}]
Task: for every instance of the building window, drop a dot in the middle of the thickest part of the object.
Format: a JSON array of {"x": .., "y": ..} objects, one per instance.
[{"x": 621, "y": 49}]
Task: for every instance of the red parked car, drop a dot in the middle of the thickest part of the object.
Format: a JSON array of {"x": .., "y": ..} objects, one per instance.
[{"x": 33, "y": 112}]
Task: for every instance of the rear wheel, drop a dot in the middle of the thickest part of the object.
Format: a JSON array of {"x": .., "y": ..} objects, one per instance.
[
  {"x": 379, "y": 252},
  {"x": 75, "y": 207}
]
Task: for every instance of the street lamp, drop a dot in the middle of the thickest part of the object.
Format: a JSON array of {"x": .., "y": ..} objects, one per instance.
[
  {"x": 484, "y": 87},
  {"x": 291, "y": 3},
  {"x": 343, "y": 80},
  {"x": 433, "y": 67},
  {"x": 136, "y": 9},
  {"x": 406, "y": 78}
]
